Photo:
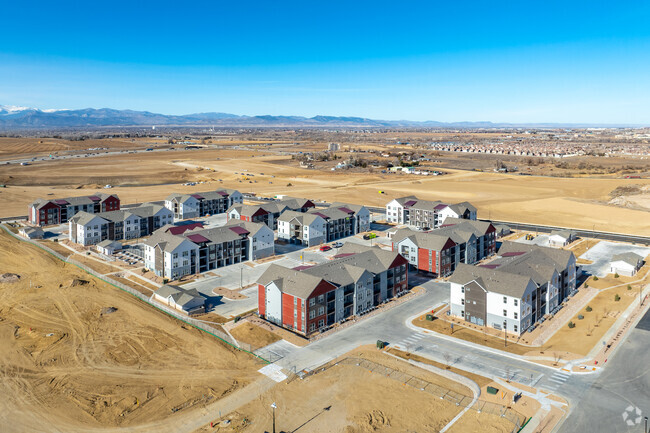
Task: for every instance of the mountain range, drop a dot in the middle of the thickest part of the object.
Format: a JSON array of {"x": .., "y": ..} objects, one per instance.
[{"x": 21, "y": 118}]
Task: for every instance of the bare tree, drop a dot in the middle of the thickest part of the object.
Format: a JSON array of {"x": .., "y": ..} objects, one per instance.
[
  {"x": 448, "y": 359},
  {"x": 557, "y": 357}
]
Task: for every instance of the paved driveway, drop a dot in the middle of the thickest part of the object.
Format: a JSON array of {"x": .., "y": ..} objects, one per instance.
[
  {"x": 601, "y": 254},
  {"x": 541, "y": 240}
]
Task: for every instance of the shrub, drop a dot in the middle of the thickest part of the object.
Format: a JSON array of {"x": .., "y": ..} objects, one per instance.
[
  {"x": 617, "y": 298},
  {"x": 429, "y": 317},
  {"x": 588, "y": 308},
  {"x": 595, "y": 278},
  {"x": 289, "y": 184},
  {"x": 586, "y": 285},
  {"x": 616, "y": 275},
  {"x": 580, "y": 317},
  {"x": 572, "y": 325},
  {"x": 629, "y": 287}
]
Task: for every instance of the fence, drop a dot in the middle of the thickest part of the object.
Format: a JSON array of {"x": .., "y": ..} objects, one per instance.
[
  {"x": 223, "y": 336},
  {"x": 459, "y": 399}
]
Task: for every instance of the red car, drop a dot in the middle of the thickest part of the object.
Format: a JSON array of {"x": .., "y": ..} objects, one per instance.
[{"x": 325, "y": 248}]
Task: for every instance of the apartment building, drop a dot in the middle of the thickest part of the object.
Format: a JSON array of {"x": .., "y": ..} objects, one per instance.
[
  {"x": 439, "y": 251},
  {"x": 90, "y": 229},
  {"x": 425, "y": 213},
  {"x": 268, "y": 213},
  {"x": 310, "y": 299},
  {"x": 59, "y": 211},
  {"x": 514, "y": 291},
  {"x": 168, "y": 255},
  {"x": 318, "y": 226},
  {"x": 202, "y": 203}
]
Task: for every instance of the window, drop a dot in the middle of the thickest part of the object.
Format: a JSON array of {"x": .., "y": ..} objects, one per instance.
[
  {"x": 175, "y": 255},
  {"x": 515, "y": 314},
  {"x": 462, "y": 289},
  {"x": 505, "y": 313},
  {"x": 515, "y": 328},
  {"x": 185, "y": 253},
  {"x": 320, "y": 298},
  {"x": 321, "y": 311},
  {"x": 312, "y": 327},
  {"x": 505, "y": 300},
  {"x": 312, "y": 302},
  {"x": 321, "y": 323},
  {"x": 462, "y": 302},
  {"x": 516, "y": 302},
  {"x": 312, "y": 314}
]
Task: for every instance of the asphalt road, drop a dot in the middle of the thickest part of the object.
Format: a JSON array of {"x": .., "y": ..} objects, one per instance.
[{"x": 624, "y": 384}]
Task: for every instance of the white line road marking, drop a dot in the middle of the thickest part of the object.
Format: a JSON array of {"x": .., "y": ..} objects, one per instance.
[{"x": 560, "y": 382}]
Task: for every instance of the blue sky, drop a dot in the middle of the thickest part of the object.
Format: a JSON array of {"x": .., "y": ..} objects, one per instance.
[{"x": 517, "y": 61}]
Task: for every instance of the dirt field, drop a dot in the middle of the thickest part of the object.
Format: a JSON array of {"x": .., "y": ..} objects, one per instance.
[
  {"x": 77, "y": 354},
  {"x": 253, "y": 335},
  {"x": 347, "y": 398},
  {"x": 576, "y": 202}
]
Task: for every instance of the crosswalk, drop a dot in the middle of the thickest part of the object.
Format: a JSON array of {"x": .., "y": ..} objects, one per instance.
[
  {"x": 411, "y": 341},
  {"x": 557, "y": 379}
]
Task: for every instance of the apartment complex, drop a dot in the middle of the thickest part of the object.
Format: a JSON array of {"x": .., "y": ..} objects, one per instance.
[
  {"x": 514, "y": 291},
  {"x": 58, "y": 211},
  {"x": 196, "y": 250},
  {"x": 425, "y": 213},
  {"x": 90, "y": 229},
  {"x": 202, "y": 203},
  {"x": 268, "y": 213},
  {"x": 439, "y": 252},
  {"x": 318, "y": 226},
  {"x": 311, "y": 299}
]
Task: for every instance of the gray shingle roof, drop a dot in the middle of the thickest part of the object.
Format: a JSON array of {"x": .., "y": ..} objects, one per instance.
[
  {"x": 560, "y": 257},
  {"x": 83, "y": 218},
  {"x": 492, "y": 280},
  {"x": 628, "y": 257},
  {"x": 180, "y": 295}
]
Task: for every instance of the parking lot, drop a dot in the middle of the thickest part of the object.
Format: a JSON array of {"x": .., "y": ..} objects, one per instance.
[{"x": 601, "y": 254}]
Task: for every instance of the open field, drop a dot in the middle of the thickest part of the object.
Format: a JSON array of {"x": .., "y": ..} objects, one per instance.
[
  {"x": 350, "y": 399},
  {"x": 575, "y": 202},
  {"x": 78, "y": 354}
]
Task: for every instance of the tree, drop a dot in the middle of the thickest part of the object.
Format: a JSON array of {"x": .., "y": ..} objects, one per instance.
[
  {"x": 557, "y": 357},
  {"x": 448, "y": 359}
]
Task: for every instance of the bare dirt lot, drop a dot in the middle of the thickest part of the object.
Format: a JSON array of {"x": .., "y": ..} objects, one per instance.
[
  {"x": 77, "y": 354},
  {"x": 351, "y": 399}
]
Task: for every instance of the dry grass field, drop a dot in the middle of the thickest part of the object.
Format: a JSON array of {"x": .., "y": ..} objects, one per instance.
[
  {"x": 350, "y": 399},
  {"x": 77, "y": 354},
  {"x": 575, "y": 202}
]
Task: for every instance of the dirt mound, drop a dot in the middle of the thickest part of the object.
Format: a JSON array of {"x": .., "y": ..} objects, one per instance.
[
  {"x": 8, "y": 277},
  {"x": 79, "y": 282}
]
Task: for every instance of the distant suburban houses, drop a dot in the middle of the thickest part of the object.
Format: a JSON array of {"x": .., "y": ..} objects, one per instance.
[
  {"x": 308, "y": 299},
  {"x": 200, "y": 204},
  {"x": 425, "y": 213},
  {"x": 58, "y": 211}
]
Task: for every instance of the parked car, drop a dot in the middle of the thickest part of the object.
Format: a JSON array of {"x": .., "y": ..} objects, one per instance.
[
  {"x": 325, "y": 248},
  {"x": 337, "y": 244}
]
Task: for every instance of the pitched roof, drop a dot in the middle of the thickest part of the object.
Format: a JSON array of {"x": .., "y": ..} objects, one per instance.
[
  {"x": 82, "y": 218},
  {"x": 352, "y": 264},
  {"x": 559, "y": 256},
  {"x": 180, "y": 295},
  {"x": 146, "y": 210},
  {"x": 628, "y": 257},
  {"x": 110, "y": 243},
  {"x": 208, "y": 195},
  {"x": 492, "y": 280},
  {"x": 427, "y": 240}
]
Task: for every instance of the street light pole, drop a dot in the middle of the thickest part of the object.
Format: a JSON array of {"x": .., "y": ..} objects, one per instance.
[
  {"x": 646, "y": 424},
  {"x": 273, "y": 406}
]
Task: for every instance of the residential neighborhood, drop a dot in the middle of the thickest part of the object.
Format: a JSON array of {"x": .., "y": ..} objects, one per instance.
[
  {"x": 58, "y": 211},
  {"x": 515, "y": 290},
  {"x": 425, "y": 213},
  {"x": 311, "y": 298},
  {"x": 186, "y": 206}
]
